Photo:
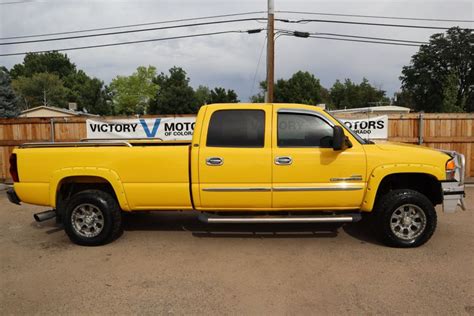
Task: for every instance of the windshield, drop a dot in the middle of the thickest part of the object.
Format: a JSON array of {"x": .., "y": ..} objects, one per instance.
[{"x": 356, "y": 136}]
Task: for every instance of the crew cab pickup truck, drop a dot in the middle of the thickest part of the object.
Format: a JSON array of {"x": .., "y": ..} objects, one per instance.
[{"x": 246, "y": 163}]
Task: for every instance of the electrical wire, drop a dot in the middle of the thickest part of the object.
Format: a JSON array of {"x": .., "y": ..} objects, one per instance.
[
  {"x": 134, "y": 25},
  {"x": 375, "y": 16},
  {"x": 131, "y": 31},
  {"x": 258, "y": 66},
  {"x": 354, "y": 36},
  {"x": 363, "y": 41},
  {"x": 367, "y": 23},
  {"x": 125, "y": 43}
]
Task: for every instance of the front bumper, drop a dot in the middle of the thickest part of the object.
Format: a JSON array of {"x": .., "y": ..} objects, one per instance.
[
  {"x": 453, "y": 195},
  {"x": 12, "y": 197}
]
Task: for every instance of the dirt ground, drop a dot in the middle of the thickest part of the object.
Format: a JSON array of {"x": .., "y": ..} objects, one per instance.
[{"x": 170, "y": 263}]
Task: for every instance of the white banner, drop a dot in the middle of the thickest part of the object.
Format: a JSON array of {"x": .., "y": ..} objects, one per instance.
[
  {"x": 181, "y": 128},
  {"x": 369, "y": 128},
  {"x": 165, "y": 128}
]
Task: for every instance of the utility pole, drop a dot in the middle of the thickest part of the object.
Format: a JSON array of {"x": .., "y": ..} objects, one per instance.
[{"x": 270, "y": 51}]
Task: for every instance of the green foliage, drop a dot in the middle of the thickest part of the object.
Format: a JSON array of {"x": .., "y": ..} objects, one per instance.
[
  {"x": 175, "y": 95},
  {"x": 352, "y": 95},
  {"x": 50, "y": 62},
  {"x": 220, "y": 95},
  {"x": 8, "y": 99},
  {"x": 87, "y": 92},
  {"x": 302, "y": 87},
  {"x": 202, "y": 95},
  {"x": 131, "y": 94},
  {"x": 40, "y": 89},
  {"x": 440, "y": 77}
]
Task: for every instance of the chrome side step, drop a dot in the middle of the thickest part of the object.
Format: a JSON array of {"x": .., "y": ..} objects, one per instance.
[{"x": 346, "y": 218}]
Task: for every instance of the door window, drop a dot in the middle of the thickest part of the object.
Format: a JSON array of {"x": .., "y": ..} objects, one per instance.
[
  {"x": 236, "y": 128},
  {"x": 303, "y": 130}
]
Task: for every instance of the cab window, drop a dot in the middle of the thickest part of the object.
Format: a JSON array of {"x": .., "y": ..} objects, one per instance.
[
  {"x": 303, "y": 130},
  {"x": 236, "y": 128}
]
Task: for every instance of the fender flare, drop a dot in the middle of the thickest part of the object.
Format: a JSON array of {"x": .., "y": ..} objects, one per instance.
[
  {"x": 380, "y": 172},
  {"x": 107, "y": 174}
]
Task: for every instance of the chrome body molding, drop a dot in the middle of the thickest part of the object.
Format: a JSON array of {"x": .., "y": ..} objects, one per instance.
[
  {"x": 351, "y": 178},
  {"x": 238, "y": 189},
  {"x": 285, "y": 189},
  {"x": 332, "y": 188}
]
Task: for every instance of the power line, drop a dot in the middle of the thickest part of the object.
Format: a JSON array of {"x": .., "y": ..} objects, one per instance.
[
  {"x": 366, "y": 23},
  {"x": 376, "y": 16},
  {"x": 362, "y": 41},
  {"x": 132, "y": 31},
  {"x": 258, "y": 65},
  {"x": 134, "y": 25},
  {"x": 16, "y": 2},
  {"x": 351, "y": 36},
  {"x": 131, "y": 42}
]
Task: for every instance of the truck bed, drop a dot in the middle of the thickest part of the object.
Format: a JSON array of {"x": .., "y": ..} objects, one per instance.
[{"x": 148, "y": 171}]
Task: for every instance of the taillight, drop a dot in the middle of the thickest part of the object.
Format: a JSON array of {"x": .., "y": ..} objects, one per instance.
[{"x": 14, "y": 168}]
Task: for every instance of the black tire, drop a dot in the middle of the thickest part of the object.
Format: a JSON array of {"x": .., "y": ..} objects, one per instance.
[
  {"x": 397, "y": 203},
  {"x": 100, "y": 205}
]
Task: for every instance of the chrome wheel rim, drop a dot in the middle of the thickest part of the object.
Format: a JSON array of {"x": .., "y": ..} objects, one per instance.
[
  {"x": 87, "y": 220},
  {"x": 408, "y": 222}
]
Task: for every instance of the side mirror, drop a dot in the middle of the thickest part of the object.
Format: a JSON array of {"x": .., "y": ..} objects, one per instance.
[{"x": 338, "y": 138}]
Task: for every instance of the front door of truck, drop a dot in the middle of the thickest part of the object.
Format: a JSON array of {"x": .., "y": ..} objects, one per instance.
[
  {"x": 235, "y": 158},
  {"x": 307, "y": 172}
]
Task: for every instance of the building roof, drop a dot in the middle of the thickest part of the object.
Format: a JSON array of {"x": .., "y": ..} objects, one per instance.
[
  {"x": 376, "y": 109},
  {"x": 56, "y": 109}
]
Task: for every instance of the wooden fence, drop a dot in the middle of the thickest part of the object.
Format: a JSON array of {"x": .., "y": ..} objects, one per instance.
[{"x": 441, "y": 131}]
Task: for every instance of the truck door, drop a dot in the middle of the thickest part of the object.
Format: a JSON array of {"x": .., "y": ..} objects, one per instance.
[
  {"x": 235, "y": 158},
  {"x": 307, "y": 172}
]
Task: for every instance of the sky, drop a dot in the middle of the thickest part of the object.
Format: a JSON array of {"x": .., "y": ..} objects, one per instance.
[{"x": 231, "y": 60}]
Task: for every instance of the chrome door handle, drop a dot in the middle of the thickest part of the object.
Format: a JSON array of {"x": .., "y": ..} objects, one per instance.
[
  {"x": 214, "y": 161},
  {"x": 285, "y": 160}
]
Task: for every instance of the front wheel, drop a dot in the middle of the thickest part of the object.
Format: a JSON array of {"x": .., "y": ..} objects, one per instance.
[
  {"x": 92, "y": 218},
  {"x": 404, "y": 219}
]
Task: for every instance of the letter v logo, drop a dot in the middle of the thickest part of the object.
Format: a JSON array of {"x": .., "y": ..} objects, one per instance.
[{"x": 153, "y": 131}]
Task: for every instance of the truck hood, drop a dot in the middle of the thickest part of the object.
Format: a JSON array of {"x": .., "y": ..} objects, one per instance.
[{"x": 413, "y": 150}]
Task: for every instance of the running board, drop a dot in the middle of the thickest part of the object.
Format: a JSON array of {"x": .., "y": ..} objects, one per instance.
[{"x": 346, "y": 218}]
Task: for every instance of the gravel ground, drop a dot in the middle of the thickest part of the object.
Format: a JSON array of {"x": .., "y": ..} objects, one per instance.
[{"x": 170, "y": 263}]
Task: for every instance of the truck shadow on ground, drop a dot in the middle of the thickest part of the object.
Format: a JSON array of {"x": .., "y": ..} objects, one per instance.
[{"x": 188, "y": 221}]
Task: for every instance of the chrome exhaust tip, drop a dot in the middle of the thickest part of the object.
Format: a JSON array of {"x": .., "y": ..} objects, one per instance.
[{"x": 44, "y": 216}]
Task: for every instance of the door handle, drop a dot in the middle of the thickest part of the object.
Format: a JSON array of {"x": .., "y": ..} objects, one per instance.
[
  {"x": 214, "y": 161},
  {"x": 285, "y": 160}
]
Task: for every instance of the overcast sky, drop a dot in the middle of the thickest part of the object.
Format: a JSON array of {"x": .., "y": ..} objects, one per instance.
[{"x": 230, "y": 60}]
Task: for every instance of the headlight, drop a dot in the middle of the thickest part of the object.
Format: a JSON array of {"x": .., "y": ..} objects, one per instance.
[{"x": 451, "y": 169}]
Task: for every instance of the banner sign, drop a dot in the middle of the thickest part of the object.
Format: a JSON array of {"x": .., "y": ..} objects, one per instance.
[
  {"x": 181, "y": 128},
  {"x": 369, "y": 128},
  {"x": 165, "y": 128}
]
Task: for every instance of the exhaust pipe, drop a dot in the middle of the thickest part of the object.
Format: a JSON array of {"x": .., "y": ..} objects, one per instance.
[{"x": 44, "y": 216}]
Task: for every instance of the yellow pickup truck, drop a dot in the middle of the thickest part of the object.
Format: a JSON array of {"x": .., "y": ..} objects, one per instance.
[{"x": 246, "y": 163}]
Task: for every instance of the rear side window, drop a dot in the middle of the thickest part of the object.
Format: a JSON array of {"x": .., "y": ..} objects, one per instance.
[
  {"x": 236, "y": 128},
  {"x": 302, "y": 130}
]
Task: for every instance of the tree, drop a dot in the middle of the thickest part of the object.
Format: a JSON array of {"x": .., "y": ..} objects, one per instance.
[
  {"x": 8, "y": 99},
  {"x": 131, "y": 94},
  {"x": 174, "y": 95},
  {"x": 50, "y": 62},
  {"x": 202, "y": 95},
  {"x": 220, "y": 95},
  {"x": 302, "y": 87},
  {"x": 40, "y": 89},
  {"x": 87, "y": 92},
  {"x": 440, "y": 76},
  {"x": 352, "y": 95}
]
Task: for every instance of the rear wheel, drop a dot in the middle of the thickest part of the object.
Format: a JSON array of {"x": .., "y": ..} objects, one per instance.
[
  {"x": 404, "y": 218},
  {"x": 92, "y": 218}
]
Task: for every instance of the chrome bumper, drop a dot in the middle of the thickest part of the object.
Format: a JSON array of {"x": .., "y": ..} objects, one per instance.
[
  {"x": 453, "y": 191},
  {"x": 453, "y": 195}
]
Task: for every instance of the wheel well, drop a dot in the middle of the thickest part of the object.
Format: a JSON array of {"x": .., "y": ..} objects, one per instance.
[
  {"x": 424, "y": 183},
  {"x": 72, "y": 185}
]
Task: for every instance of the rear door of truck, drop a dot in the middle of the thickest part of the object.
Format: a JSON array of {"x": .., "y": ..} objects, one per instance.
[{"x": 235, "y": 158}]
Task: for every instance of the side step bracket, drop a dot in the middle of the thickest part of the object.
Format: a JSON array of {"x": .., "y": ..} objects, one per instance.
[{"x": 343, "y": 218}]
